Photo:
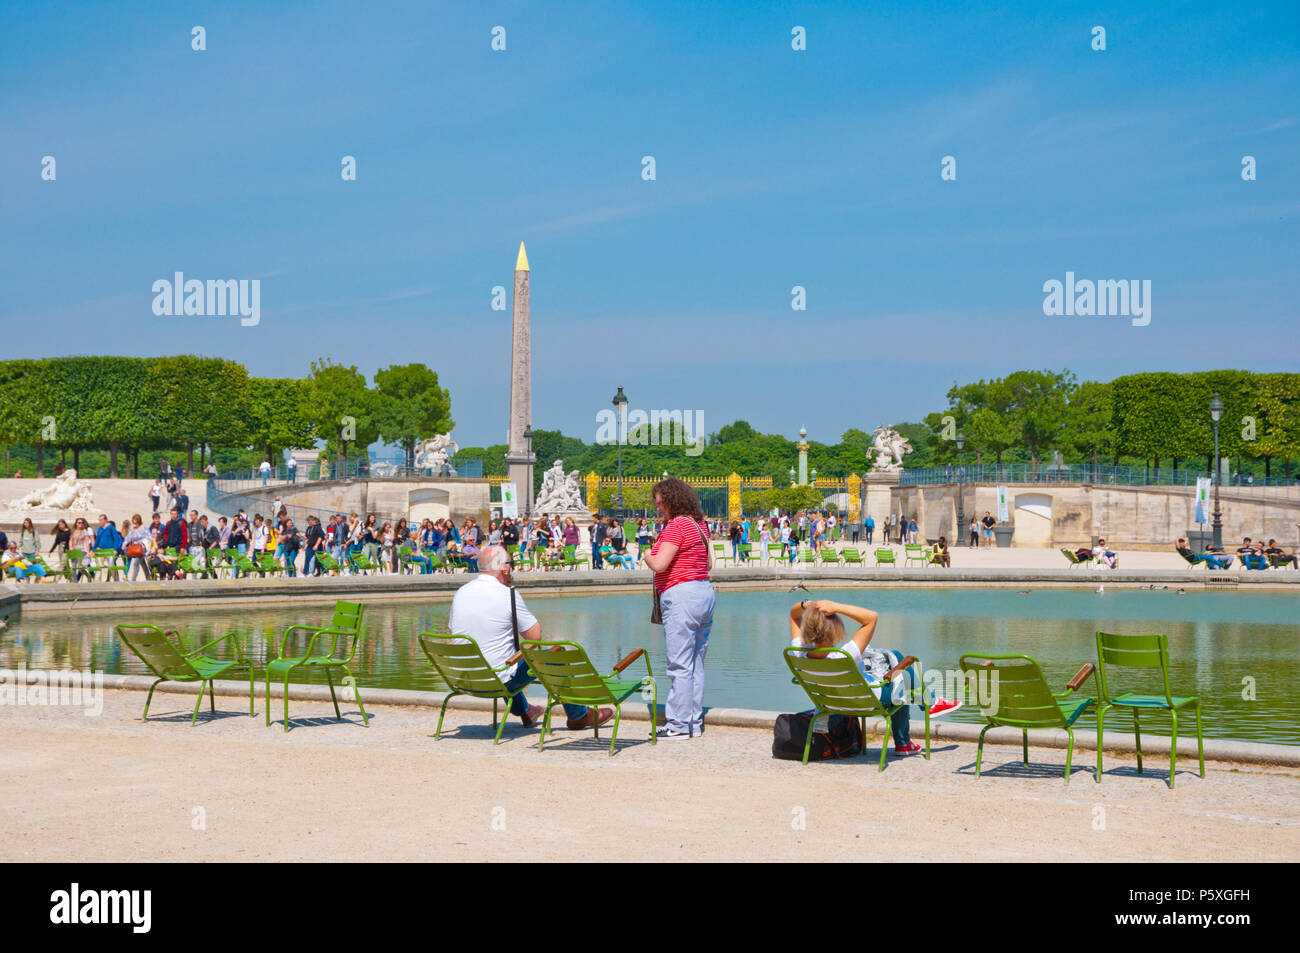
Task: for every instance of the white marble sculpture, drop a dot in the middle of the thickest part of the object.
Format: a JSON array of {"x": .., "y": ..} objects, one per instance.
[
  {"x": 65, "y": 493},
  {"x": 890, "y": 447},
  {"x": 560, "y": 493},
  {"x": 434, "y": 454}
]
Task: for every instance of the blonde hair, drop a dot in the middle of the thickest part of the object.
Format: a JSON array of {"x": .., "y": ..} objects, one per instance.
[{"x": 820, "y": 629}]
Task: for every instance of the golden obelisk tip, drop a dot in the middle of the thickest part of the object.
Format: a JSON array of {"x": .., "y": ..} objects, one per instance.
[{"x": 521, "y": 263}]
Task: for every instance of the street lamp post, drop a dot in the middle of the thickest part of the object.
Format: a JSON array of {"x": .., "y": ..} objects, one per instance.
[
  {"x": 961, "y": 475},
  {"x": 620, "y": 402},
  {"x": 1216, "y": 411}
]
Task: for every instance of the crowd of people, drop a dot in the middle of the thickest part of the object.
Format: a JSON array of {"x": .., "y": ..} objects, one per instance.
[{"x": 1254, "y": 554}]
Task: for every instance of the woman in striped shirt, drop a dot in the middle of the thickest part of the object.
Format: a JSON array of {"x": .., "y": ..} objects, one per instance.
[{"x": 680, "y": 559}]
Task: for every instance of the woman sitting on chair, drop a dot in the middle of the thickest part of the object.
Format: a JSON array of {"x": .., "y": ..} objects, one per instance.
[{"x": 818, "y": 624}]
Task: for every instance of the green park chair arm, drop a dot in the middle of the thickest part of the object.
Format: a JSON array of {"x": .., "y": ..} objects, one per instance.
[
  {"x": 316, "y": 631},
  {"x": 239, "y": 654}
]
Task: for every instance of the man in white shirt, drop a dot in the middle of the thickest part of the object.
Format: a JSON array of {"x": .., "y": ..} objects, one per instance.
[
  {"x": 265, "y": 469},
  {"x": 481, "y": 610},
  {"x": 293, "y": 469}
]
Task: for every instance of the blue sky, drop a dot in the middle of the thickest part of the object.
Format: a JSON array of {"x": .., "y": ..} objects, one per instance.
[{"x": 775, "y": 168}]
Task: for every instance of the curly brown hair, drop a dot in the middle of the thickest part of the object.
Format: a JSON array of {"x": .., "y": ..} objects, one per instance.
[{"x": 679, "y": 498}]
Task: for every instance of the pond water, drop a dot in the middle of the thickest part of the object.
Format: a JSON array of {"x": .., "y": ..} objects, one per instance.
[{"x": 1225, "y": 646}]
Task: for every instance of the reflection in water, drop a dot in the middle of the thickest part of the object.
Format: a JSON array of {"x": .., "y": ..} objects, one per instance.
[{"x": 1217, "y": 640}]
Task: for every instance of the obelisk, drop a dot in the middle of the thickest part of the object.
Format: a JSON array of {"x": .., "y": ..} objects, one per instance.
[{"x": 519, "y": 461}]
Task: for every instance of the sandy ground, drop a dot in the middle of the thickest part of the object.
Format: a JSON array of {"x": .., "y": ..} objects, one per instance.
[{"x": 113, "y": 788}]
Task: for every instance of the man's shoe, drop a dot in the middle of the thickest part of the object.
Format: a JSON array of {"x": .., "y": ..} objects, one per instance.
[
  {"x": 532, "y": 716},
  {"x": 664, "y": 733},
  {"x": 577, "y": 724}
]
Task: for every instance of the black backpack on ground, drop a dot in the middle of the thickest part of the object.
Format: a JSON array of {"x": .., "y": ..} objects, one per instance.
[{"x": 842, "y": 738}]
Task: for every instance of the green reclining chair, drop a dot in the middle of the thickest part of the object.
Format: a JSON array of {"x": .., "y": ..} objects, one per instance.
[
  {"x": 171, "y": 664},
  {"x": 1021, "y": 698},
  {"x": 836, "y": 685},
  {"x": 460, "y": 663},
  {"x": 568, "y": 676}
]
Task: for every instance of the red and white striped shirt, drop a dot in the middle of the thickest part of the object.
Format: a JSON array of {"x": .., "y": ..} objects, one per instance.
[{"x": 692, "y": 559}]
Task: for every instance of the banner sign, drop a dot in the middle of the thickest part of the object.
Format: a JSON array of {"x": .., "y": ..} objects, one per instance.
[
  {"x": 509, "y": 505},
  {"x": 1202, "y": 500},
  {"x": 1003, "y": 515}
]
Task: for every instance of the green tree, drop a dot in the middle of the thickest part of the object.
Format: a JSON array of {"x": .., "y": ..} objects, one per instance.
[
  {"x": 340, "y": 407},
  {"x": 277, "y": 415},
  {"x": 411, "y": 406}
]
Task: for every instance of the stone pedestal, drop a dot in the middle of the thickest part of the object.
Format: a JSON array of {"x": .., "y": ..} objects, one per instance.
[{"x": 878, "y": 492}]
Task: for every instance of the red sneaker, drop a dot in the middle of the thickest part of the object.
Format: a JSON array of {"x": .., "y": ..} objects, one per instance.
[
  {"x": 943, "y": 706},
  {"x": 910, "y": 748}
]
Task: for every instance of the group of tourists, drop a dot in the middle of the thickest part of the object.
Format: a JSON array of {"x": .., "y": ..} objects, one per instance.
[
  {"x": 489, "y": 610},
  {"x": 1253, "y": 555}
]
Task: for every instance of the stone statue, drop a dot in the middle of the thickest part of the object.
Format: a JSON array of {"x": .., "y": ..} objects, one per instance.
[
  {"x": 890, "y": 447},
  {"x": 560, "y": 493},
  {"x": 65, "y": 493},
  {"x": 434, "y": 454}
]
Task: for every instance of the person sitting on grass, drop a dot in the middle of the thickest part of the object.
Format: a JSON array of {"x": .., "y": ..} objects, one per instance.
[
  {"x": 481, "y": 610},
  {"x": 1279, "y": 556},
  {"x": 1211, "y": 559},
  {"x": 819, "y": 624},
  {"x": 941, "y": 556}
]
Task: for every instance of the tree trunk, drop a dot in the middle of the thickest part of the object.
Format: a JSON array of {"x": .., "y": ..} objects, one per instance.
[
  {"x": 1268, "y": 469},
  {"x": 76, "y": 459},
  {"x": 112, "y": 459},
  {"x": 1175, "y": 465},
  {"x": 203, "y": 453},
  {"x": 189, "y": 461},
  {"x": 40, "y": 458},
  {"x": 135, "y": 463}
]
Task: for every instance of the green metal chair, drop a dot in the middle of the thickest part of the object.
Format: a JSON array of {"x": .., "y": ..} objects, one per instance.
[
  {"x": 749, "y": 553},
  {"x": 720, "y": 554},
  {"x": 852, "y": 557},
  {"x": 774, "y": 554},
  {"x": 1143, "y": 651},
  {"x": 107, "y": 562},
  {"x": 363, "y": 563},
  {"x": 170, "y": 664},
  {"x": 460, "y": 663},
  {"x": 806, "y": 555},
  {"x": 836, "y": 685},
  {"x": 885, "y": 557},
  {"x": 1022, "y": 699},
  {"x": 915, "y": 552},
  {"x": 344, "y": 628},
  {"x": 328, "y": 563},
  {"x": 568, "y": 676},
  {"x": 830, "y": 556}
]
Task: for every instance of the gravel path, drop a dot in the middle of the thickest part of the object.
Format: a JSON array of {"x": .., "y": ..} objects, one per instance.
[{"x": 112, "y": 788}]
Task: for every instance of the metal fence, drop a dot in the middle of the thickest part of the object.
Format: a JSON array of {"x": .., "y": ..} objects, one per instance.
[{"x": 1271, "y": 488}]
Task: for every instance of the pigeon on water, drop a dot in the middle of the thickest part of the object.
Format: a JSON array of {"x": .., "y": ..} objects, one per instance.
[
  {"x": 799, "y": 586},
  {"x": 1101, "y": 590}
]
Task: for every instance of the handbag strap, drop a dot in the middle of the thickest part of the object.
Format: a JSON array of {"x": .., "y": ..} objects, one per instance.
[{"x": 514, "y": 619}]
